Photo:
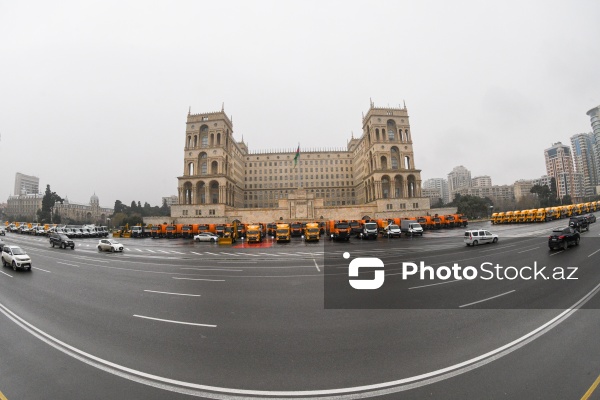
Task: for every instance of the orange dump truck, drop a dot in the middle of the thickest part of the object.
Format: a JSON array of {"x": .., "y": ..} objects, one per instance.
[{"x": 311, "y": 232}]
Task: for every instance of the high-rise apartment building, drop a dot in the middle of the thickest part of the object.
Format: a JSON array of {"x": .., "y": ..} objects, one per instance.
[
  {"x": 559, "y": 165},
  {"x": 374, "y": 174},
  {"x": 26, "y": 184},
  {"x": 594, "y": 115},
  {"x": 441, "y": 184},
  {"x": 460, "y": 177},
  {"x": 481, "y": 181},
  {"x": 584, "y": 159}
]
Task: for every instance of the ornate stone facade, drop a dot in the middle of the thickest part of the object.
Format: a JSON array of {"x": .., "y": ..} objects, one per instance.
[{"x": 376, "y": 174}]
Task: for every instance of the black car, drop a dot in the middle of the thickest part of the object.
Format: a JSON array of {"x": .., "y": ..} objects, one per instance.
[
  {"x": 61, "y": 240},
  {"x": 561, "y": 238},
  {"x": 580, "y": 223},
  {"x": 591, "y": 218}
]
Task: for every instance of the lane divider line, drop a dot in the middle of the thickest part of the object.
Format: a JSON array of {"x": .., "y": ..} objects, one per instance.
[
  {"x": 489, "y": 298},
  {"x": 199, "y": 279},
  {"x": 589, "y": 392},
  {"x": 175, "y": 322},
  {"x": 176, "y": 294}
]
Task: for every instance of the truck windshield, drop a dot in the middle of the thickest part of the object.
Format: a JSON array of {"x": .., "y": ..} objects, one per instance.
[
  {"x": 371, "y": 225},
  {"x": 282, "y": 231},
  {"x": 343, "y": 225},
  {"x": 313, "y": 230}
]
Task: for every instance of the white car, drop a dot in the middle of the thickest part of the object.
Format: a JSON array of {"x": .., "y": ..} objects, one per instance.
[
  {"x": 392, "y": 230},
  {"x": 2, "y": 231},
  {"x": 480, "y": 236},
  {"x": 16, "y": 257},
  {"x": 109, "y": 245},
  {"x": 206, "y": 237}
]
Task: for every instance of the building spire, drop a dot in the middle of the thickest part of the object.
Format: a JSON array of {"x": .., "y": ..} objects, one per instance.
[
  {"x": 223, "y": 107},
  {"x": 190, "y": 110}
]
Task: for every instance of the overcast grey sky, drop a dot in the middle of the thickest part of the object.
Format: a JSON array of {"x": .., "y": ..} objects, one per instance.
[{"x": 94, "y": 94}]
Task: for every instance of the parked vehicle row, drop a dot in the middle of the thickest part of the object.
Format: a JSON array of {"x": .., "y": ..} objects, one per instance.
[
  {"x": 545, "y": 214},
  {"x": 72, "y": 231}
]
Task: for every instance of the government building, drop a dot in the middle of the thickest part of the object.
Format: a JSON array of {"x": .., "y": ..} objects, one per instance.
[{"x": 374, "y": 175}]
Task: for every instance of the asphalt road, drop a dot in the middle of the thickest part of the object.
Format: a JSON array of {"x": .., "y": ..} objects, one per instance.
[{"x": 173, "y": 319}]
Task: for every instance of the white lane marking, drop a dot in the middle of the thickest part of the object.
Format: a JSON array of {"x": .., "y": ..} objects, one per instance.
[
  {"x": 213, "y": 254},
  {"x": 525, "y": 251},
  {"x": 216, "y": 269},
  {"x": 72, "y": 265},
  {"x": 176, "y": 294},
  {"x": 151, "y": 251},
  {"x": 289, "y": 254},
  {"x": 139, "y": 249},
  {"x": 594, "y": 253},
  {"x": 198, "y": 254},
  {"x": 372, "y": 390},
  {"x": 41, "y": 269},
  {"x": 199, "y": 279},
  {"x": 269, "y": 254},
  {"x": 230, "y": 254},
  {"x": 316, "y": 265},
  {"x": 162, "y": 251},
  {"x": 489, "y": 298},
  {"x": 558, "y": 252},
  {"x": 6, "y": 274},
  {"x": 127, "y": 248},
  {"x": 434, "y": 284},
  {"x": 175, "y": 322},
  {"x": 176, "y": 252}
]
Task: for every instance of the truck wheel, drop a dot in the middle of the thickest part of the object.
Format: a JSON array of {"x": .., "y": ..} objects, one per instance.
[{"x": 475, "y": 242}]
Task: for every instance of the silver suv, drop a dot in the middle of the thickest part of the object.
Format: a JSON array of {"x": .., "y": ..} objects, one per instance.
[
  {"x": 16, "y": 257},
  {"x": 480, "y": 236}
]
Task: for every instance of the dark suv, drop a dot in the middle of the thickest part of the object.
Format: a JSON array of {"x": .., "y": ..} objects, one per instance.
[
  {"x": 61, "y": 240},
  {"x": 563, "y": 238},
  {"x": 580, "y": 223}
]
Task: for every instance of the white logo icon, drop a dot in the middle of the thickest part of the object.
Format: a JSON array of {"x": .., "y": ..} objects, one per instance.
[{"x": 366, "y": 262}]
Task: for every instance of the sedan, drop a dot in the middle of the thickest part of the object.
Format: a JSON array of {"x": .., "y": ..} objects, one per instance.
[
  {"x": 206, "y": 237},
  {"x": 109, "y": 245},
  {"x": 562, "y": 238},
  {"x": 591, "y": 218}
]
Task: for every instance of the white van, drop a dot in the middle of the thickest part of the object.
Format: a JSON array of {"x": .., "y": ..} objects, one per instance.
[{"x": 480, "y": 236}]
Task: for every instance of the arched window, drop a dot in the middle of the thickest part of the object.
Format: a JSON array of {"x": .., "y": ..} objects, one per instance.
[
  {"x": 204, "y": 168},
  {"x": 385, "y": 187},
  {"x": 377, "y": 135},
  {"x": 214, "y": 192},
  {"x": 407, "y": 162},
  {"x": 391, "y": 127},
  {"x": 218, "y": 139},
  {"x": 214, "y": 167},
  {"x": 195, "y": 140},
  {"x": 189, "y": 141},
  {"x": 384, "y": 162},
  {"x": 191, "y": 169},
  {"x": 204, "y": 141},
  {"x": 395, "y": 157}
]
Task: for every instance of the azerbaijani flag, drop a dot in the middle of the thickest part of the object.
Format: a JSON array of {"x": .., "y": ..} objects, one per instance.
[{"x": 297, "y": 156}]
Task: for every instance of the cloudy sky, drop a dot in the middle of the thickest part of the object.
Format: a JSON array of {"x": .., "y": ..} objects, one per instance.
[{"x": 94, "y": 94}]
